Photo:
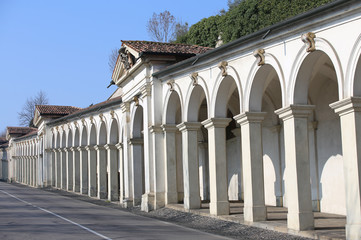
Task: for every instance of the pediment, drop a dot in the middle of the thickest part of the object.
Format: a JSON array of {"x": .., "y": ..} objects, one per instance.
[{"x": 125, "y": 62}]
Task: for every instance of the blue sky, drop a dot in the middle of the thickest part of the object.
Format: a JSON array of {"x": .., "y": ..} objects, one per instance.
[{"x": 62, "y": 47}]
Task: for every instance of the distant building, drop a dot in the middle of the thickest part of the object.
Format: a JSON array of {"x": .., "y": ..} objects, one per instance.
[{"x": 272, "y": 118}]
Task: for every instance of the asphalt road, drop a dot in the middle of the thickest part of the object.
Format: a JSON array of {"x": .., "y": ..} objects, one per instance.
[{"x": 29, "y": 213}]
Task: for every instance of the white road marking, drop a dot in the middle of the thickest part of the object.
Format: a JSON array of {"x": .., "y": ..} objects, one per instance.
[{"x": 56, "y": 215}]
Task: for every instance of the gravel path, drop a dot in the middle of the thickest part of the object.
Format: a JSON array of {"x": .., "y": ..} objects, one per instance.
[{"x": 190, "y": 220}]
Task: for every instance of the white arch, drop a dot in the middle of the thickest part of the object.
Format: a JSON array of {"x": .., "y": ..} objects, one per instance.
[
  {"x": 231, "y": 71},
  {"x": 352, "y": 68},
  {"x": 203, "y": 85},
  {"x": 321, "y": 45},
  {"x": 275, "y": 64},
  {"x": 166, "y": 102}
]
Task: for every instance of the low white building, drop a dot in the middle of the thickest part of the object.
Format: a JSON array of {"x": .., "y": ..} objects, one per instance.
[{"x": 272, "y": 118}]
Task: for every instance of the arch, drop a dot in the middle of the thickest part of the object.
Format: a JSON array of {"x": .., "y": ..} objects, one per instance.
[
  {"x": 352, "y": 87},
  {"x": 70, "y": 138},
  {"x": 258, "y": 85},
  {"x": 172, "y": 108},
  {"x": 102, "y": 136},
  {"x": 114, "y": 132},
  {"x": 195, "y": 99},
  {"x": 223, "y": 92},
  {"x": 76, "y": 137},
  {"x": 137, "y": 123},
  {"x": 322, "y": 46},
  {"x": 92, "y": 135}
]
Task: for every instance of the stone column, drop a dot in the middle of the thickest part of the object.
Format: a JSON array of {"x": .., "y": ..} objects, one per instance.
[
  {"x": 35, "y": 170},
  {"x": 57, "y": 168},
  {"x": 349, "y": 111},
  {"x": 298, "y": 186},
  {"x": 189, "y": 131},
  {"x": 76, "y": 169},
  {"x": 112, "y": 169},
  {"x": 252, "y": 162},
  {"x": 31, "y": 173},
  {"x": 69, "y": 169},
  {"x": 83, "y": 158},
  {"x": 52, "y": 154},
  {"x": 137, "y": 161},
  {"x": 92, "y": 161},
  {"x": 119, "y": 146},
  {"x": 171, "y": 194},
  {"x": 63, "y": 169},
  {"x": 101, "y": 171},
  {"x": 217, "y": 155}
]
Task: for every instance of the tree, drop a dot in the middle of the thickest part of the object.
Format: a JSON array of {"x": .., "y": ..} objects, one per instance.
[
  {"x": 26, "y": 115},
  {"x": 180, "y": 30},
  {"x": 113, "y": 59},
  {"x": 161, "y": 27}
]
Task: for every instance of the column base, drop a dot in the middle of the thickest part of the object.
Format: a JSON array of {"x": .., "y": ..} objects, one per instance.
[
  {"x": 84, "y": 191},
  {"x": 147, "y": 202},
  {"x": 171, "y": 197},
  {"x": 219, "y": 208},
  {"x": 127, "y": 203},
  {"x": 102, "y": 195},
  {"x": 159, "y": 201},
  {"x": 193, "y": 202},
  {"x": 300, "y": 221},
  {"x": 316, "y": 206},
  {"x": 113, "y": 196},
  {"x": 255, "y": 213},
  {"x": 92, "y": 192},
  {"x": 353, "y": 231}
]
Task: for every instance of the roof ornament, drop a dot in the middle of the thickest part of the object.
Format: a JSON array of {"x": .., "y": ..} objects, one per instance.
[
  {"x": 223, "y": 66},
  {"x": 259, "y": 54},
  {"x": 170, "y": 83},
  {"x": 126, "y": 58},
  {"x": 194, "y": 77},
  {"x": 309, "y": 38}
]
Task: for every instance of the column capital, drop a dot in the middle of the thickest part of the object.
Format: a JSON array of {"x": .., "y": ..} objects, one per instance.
[
  {"x": 155, "y": 128},
  {"x": 110, "y": 147},
  {"x": 60, "y": 149},
  {"x": 99, "y": 147},
  {"x": 89, "y": 148},
  {"x": 299, "y": 111},
  {"x": 119, "y": 145},
  {"x": 73, "y": 149},
  {"x": 66, "y": 149},
  {"x": 135, "y": 141},
  {"x": 346, "y": 106},
  {"x": 216, "y": 122},
  {"x": 248, "y": 117},
  {"x": 169, "y": 128},
  {"x": 81, "y": 148},
  {"x": 189, "y": 126}
]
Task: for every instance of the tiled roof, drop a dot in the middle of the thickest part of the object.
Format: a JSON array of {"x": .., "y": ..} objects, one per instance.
[
  {"x": 56, "y": 110},
  {"x": 165, "y": 48},
  {"x": 20, "y": 130}
]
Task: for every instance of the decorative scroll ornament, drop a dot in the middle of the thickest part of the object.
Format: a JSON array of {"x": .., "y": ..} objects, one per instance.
[
  {"x": 126, "y": 58},
  {"x": 223, "y": 66},
  {"x": 259, "y": 54},
  {"x": 170, "y": 83},
  {"x": 309, "y": 38},
  {"x": 112, "y": 114},
  {"x": 194, "y": 77},
  {"x": 75, "y": 124},
  {"x": 136, "y": 100},
  {"x": 83, "y": 121},
  {"x": 101, "y": 117},
  {"x": 91, "y": 119},
  {"x": 69, "y": 126}
]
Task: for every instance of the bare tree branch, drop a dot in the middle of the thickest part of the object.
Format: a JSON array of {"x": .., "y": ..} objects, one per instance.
[
  {"x": 161, "y": 27},
  {"x": 26, "y": 115},
  {"x": 113, "y": 59}
]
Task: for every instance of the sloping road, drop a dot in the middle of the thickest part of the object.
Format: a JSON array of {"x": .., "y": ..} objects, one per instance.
[{"x": 29, "y": 213}]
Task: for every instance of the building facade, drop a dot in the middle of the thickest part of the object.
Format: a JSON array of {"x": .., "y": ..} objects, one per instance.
[{"x": 272, "y": 119}]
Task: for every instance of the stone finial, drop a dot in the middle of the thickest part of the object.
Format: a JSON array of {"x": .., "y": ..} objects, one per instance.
[
  {"x": 101, "y": 117},
  {"x": 259, "y": 54},
  {"x": 136, "y": 100},
  {"x": 170, "y": 83},
  {"x": 223, "y": 66},
  {"x": 194, "y": 77},
  {"x": 112, "y": 114},
  {"x": 309, "y": 38}
]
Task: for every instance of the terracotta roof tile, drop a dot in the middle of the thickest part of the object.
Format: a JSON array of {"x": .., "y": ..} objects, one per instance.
[
  {"x": 20, "y": 130},
  {"x": 165, "y": 48},
  {"x": 56, "y": 110}
]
